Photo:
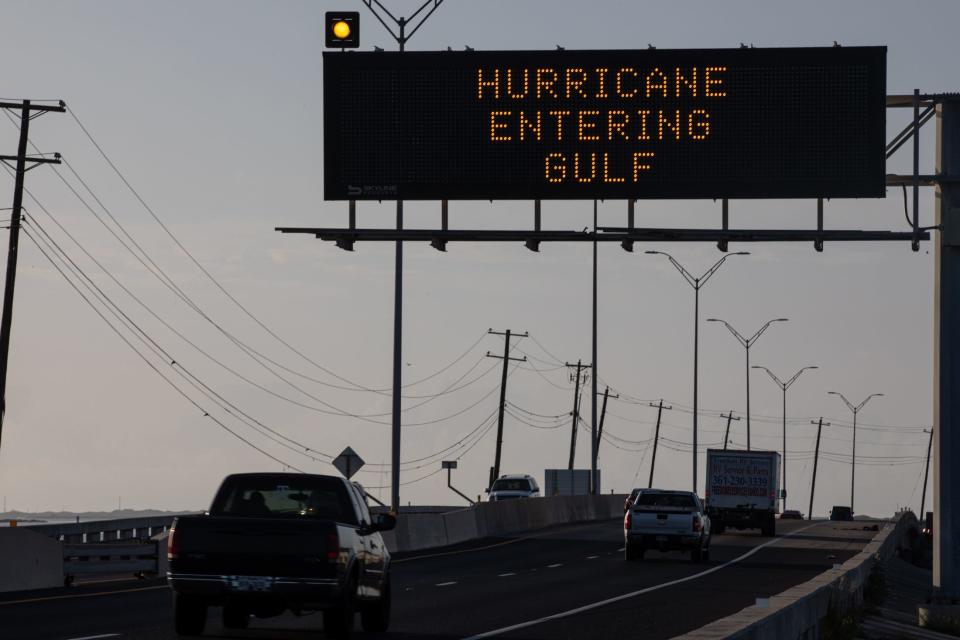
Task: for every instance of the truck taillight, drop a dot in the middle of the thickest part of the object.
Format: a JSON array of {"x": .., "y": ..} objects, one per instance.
[
  {"x": 173, "y": 544},
  {"x": 697, "y": 524},
  {"x": 627, "y": 520},
  {"x": 333, "y": 547}
]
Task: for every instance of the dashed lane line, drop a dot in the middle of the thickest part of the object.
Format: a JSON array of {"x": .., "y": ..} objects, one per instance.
[
  {"x": 592, "y": 557},
  {"x": 506, "y": 575},
  {"x": 102, "y": 635},
  {"x": 554, "y": 566},
  {"x": 446, "y": 584},
  {"x": 633, "y": 594}
]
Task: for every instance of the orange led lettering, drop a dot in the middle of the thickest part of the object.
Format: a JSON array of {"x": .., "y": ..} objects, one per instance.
[
  {"x": 622, "y": 72},
  {"x": 593, "y": 168},
  {"x": 494, "y": 84},
  {"x": 708, "y": 82},
  {"x": 639, "y": 165},
  {"x": 495, "y": 126},
  {"x": 617, "y": 120},
  {"x": 698, "y": 124},
  {"x": 576, "y": 84},
  {"x": 602, "y": 78},
  {"x": 559, "y": 115},
  {"x": 586, "y": 126},
  {"x": 662, "y": 84},
  {"x": 665, "y": 123},
  {"x": 556, "y": 167},
  {"x": 545, "y": 84},
  {"x": 534, "y": 126},
  {"x": 606, "y": 170},
  {"x": 691, "y": 83},
  {"x": 643, "y": 113},
  {"x": 526, "y": 85}
]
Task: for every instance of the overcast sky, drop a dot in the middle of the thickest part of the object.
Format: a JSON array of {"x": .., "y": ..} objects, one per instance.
[{"x": 213, "y": 112}]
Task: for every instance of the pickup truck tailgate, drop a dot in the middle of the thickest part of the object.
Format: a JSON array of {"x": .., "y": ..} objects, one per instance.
[
  {"x": 661, "y": 521},
  {"x": 254, "y": 547}
]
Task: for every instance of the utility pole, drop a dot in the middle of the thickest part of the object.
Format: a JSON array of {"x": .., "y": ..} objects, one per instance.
[
  {"x": 401, "y": 37},
  {"x": 576, "y": 410},
  {"x": 503, "y": 393},
  {"x": 726, "y": 436},
  {"x": 26, "y": 109},
  {"x": 656, "y": 438},
  {"x": 603, "y": 415},
  {"x": 923, "y": 499},
  {"x": 816, "y": 457}
]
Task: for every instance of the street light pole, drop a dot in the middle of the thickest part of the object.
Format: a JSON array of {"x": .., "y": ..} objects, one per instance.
[
  {"x": 696, "y": 283},
  {"x": 784, "y": 385},
  {"x": 855, "y": 410},
  {"x": 746, "y": 343}
]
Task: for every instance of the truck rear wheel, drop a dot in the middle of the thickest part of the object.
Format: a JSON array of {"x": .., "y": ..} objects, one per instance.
[
  {"x": 338, "y": 622},
  {"x": 189, "y": 615},
  {"x": 375, "y": 616},
  {"x": 769, "y": 528}
]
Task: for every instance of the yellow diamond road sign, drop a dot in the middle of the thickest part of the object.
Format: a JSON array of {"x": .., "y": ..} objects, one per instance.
[{"x": 348, "y": 462}]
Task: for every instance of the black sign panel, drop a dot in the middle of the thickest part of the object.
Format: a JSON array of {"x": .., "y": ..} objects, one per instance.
[{"x": 724, "y": 123}]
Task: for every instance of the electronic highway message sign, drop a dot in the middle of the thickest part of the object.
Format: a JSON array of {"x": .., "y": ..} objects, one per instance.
[{"x": 652, "y": 123}]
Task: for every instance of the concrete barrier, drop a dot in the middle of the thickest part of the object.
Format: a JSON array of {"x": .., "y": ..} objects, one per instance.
[
  {"x": 417, "y": 531},
  {"x": 798, "y": 612},
  {"x": 29, "y": 560}
]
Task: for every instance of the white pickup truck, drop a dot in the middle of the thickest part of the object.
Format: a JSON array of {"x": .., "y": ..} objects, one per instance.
[{"x": 668, "y": 521}]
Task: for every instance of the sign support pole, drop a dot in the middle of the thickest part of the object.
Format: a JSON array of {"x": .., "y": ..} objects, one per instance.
[{"x": 946, "y": 388}]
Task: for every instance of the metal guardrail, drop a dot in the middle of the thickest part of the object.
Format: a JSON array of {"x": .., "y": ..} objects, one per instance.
[
  {"x": 96, "y": 531},
  {"x": 110, "y": 558}
]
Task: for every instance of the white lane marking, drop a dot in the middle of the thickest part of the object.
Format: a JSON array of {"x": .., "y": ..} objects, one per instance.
[
  {"x": 103, "y": 635},
  {"x": 592, "y": 557},
  {"x": 446, "y": 584},
  {"x": 554, "y": 566},
  {"x": 83, "y": 595},
  {"x": 633, "y": 594},
  {"x": 621, "y": 548},
  {"x": 506, "y": 575}
]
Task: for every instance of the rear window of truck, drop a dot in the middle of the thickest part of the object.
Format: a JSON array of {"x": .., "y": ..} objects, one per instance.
[
  {"x": 680, "y": 500},
  {"x": 285, "y": 497}
]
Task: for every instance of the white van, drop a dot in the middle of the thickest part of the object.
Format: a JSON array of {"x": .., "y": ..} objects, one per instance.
[{"x": 514, "y": 486}]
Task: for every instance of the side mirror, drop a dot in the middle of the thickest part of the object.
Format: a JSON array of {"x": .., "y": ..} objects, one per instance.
[
  {"x": 487, "y": 490},
  {"x": 383, "y": 522}
]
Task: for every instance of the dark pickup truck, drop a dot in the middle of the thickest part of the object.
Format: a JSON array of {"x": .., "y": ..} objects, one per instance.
[{"x": 273, "y": 542}]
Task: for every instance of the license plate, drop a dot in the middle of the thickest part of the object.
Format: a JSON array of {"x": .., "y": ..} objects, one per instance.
[
  {"x": 251, "y": 583},
  {"x": 661, "y": 538}
]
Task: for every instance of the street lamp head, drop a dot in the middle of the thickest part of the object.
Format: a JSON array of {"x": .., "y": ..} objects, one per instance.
[
  {"x": 781, "y": 319},
  {"x": 756, "y": 366},
  {"x": 741, "y": 253},
  {"x": 813, "y": 366},
  {"x": 833, "y": 393},
  {"x": 714, "y": 320},
  {"x": 651, "y": 252}
]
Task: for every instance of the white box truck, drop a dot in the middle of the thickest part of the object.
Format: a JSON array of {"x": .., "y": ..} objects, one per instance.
[{"x": 743, "y": 490}]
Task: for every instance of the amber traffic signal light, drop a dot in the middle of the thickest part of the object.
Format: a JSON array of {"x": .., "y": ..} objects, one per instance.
[{"x": 343, "y": 29}]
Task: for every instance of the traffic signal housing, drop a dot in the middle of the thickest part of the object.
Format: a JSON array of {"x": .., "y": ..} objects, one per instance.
[{"x": 343, "y": 29}]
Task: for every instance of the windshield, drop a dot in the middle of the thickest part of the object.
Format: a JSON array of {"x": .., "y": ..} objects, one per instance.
[
  {"x": 684, "y": 500},
  {"x": 511, "y": 484},
  {"x": 284, "y": 496}
]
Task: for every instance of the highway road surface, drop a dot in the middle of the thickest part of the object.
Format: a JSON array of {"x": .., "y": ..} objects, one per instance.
[{"x": 564, "y": 582}]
